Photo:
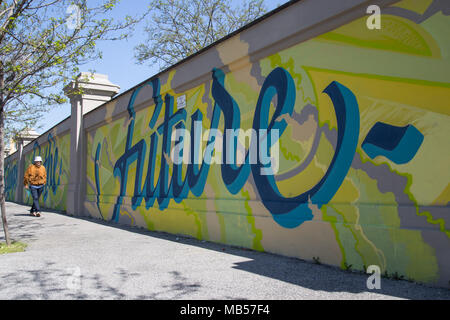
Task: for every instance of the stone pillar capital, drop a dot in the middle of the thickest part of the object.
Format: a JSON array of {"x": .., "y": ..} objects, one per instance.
[
  {"x": 90, "y": 90},
  {"x": 87, "y": 92}
]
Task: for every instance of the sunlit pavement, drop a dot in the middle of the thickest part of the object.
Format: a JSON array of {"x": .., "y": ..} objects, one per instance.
[{"x": 83, "y": 258}]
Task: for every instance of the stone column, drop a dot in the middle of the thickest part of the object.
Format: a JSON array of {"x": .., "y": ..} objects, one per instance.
[
  {"x": 22, "y": 139},
  {"x": 86, "y": 93}
]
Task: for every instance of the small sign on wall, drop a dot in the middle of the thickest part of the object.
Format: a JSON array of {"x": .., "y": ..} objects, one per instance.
[{"x": 181, "y": 102}]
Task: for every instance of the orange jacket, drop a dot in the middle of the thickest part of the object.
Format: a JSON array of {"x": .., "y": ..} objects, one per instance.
[{"x": 35, "y": 175}]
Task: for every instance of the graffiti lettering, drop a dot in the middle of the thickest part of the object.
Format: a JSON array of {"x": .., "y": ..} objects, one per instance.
[
  {"x": 288, "y": 212},
  {"x": 52, "y": 163},
  {"x": 10, "y": 180}
]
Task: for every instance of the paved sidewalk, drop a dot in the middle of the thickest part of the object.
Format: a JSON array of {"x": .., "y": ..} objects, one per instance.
[{"x": 82, "y": 258}]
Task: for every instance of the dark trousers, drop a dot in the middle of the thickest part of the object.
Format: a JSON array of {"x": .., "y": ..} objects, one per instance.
[{"x": 36, "y": 193}]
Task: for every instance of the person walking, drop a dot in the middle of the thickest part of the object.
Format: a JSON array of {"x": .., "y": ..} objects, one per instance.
[{"x": 34, "y": 179}]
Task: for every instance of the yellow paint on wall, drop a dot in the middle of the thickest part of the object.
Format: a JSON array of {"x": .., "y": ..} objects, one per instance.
[
  {"x": 311, "y": 175},
  {"x": 426, "y": 169},
  {"x": 418, "y": 6},
  {"x": 174, "y": 219},
  {"x": 347, "y": 193},
  {"x": 444, "y": 197},
  {"x": 412, "y": 92},
  {"x": 397, "y": 34}
]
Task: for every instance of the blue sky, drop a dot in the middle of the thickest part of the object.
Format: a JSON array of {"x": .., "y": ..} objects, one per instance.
[{"x": 118, "y": 60}]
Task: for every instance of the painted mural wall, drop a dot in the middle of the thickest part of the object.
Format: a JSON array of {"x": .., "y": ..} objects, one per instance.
[
  {"x": 10, "y": 179},
  {"x": 55, "y": 153},
  {"x": 335, "y": 148},
  {"x": 361, "y": 174},
  {"x": 362, "y": 170}
]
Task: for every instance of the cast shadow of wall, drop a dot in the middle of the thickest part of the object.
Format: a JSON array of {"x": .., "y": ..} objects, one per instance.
[
  {"x": 298, "y": 272},
  {"x": 295, "y": 271}
]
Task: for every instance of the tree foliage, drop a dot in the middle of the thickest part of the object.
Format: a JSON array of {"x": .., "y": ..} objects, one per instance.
[
  {"x": 179, "y": 28},
  {"x": 42, "y": 45}
]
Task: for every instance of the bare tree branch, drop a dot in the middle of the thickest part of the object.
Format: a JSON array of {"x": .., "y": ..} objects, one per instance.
[
  {"x": 39, "y": 52},
  {"x": 180, "y": 28}
]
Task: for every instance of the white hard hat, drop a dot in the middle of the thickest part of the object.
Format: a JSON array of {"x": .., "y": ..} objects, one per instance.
[{"x": 38, "y": 158}]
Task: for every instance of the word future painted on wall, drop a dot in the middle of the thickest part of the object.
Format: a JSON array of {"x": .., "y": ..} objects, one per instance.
[{"x": 289, "y": 212}]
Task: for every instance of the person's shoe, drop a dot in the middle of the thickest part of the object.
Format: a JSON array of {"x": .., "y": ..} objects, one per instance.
[
  {"x": 38, "y": 214},
  {"x": 33, "y": 214}
]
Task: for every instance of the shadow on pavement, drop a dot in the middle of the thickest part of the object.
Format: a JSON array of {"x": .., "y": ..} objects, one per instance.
[
  {"x": 290, "y": 270},
  {"x": 296, "y": 271},
  {"x": 50, "y": 282}
]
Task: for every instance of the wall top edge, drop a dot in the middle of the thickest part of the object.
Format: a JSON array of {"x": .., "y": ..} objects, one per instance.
[
  {"x": 346, "y": 5},
  {"x": 58, "y": 129}
]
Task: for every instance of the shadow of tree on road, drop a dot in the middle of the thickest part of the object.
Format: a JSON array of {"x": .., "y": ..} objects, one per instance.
[
  {"x": 48, "y": 281},
  {"x": 302, "y": 273},
  {"x": 290, "y": 270}
]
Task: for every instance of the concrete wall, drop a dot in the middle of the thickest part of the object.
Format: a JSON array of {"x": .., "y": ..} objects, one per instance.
[
  {"x": 54, "y": 148},
  {"x": 11, "y": 175},
  {"x": 363, "y": 123}
]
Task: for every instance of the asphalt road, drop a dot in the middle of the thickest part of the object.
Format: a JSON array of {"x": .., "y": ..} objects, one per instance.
[{"x": 82, "y": 258}]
